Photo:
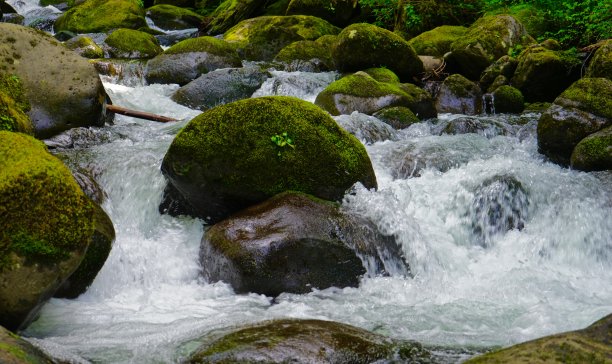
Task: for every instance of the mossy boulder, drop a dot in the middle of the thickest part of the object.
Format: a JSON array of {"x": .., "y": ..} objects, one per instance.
[
  {"x": 188, "y": 59},
  {"x": 128, "y": 43},
  {"x": 308, "y": 55},
  {"x": 534, "y": 19},
  {"x": 65, "y": 93},
  {"x": 505, "y": 66},
  {"x": 228, "y": 14},
  {"x": 225, "y": 159},
  {"x": 97, "y": 252},
  {"x": 590, "y": 345},
  {"x": 85, "y": 47},
  {"x": 307, "y": 341},
  {"x": 488, "y": 39},
  {"x": 361, "y": 46},
  {"x": 458, "y": 95},
  {"x": 46, "y": 226},
  {"x": 93, "y": 16},
  {"x": 362, "y": 92},
  {"x": 220, "y": 87},
  {"x": 542, "y": 74},
  {"x": 584, "y": 108},
  {"x": 14, "y": 106},
  {"x": 338, "y": 12},
  {"x": 15, "y": 350},
  {"x": 601, "y": 64},
  {"x": 294, "y": 243},
  {"x": 594, "y": 153},
  {"x": 398, "y": 117},
  {"x": 261, "y": 38},
  {"x": 172, "y": 17},
  {"x": 507, "y": 99},
  {"x": 183, "y": 3},
  {"x": 437, "y": 42}
]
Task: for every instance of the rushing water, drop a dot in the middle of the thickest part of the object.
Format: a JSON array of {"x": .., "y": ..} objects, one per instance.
[{"x": 475, "y": 285}]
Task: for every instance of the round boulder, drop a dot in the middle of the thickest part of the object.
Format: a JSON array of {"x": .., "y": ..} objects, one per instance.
[
  {"x": 601, "y": 64},
  {"x": 245, "y": 152},
  {"x": 437, "y": 42},
  {"x": 128, "y": 43},
  {"x": 458, "y": 95},
  {"x": 46, "y": 226},
  {"x": 293, "y": 243},
  {"x": 362, "y": 46},
  {"x": 507, "y": 99},
  {"x": 190, "y": 58},
  {"x": 261, "y": 38},
  {"x": 488, "y": 39},
  {"x": 65, "y": 93},
  {"x": 584, "y": 108},
  {"x": 307, "y": 341},
  {"x": 398, "y": 117},
  {"x": 594, "y": 153},
  {"x": 172, "y": 17},
  {"x": 308, "y": 55},
  {"x": 94, "y": 16}
]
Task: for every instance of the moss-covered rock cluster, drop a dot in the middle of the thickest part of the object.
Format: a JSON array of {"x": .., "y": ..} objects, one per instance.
[
  {"x": 128, "y": 43},
  {"x": 309, "y": 54},
  {"x": 46, "y": 225},
  {"x": 240, "y": 154},
  {"x": 102, "y": 15}
]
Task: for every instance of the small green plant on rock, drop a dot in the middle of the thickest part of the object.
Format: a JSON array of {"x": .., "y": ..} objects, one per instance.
[{"x": 282, "y": 141}]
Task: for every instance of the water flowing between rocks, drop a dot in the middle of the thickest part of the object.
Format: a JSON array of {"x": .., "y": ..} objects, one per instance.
[{"x": 541, "y": 265}]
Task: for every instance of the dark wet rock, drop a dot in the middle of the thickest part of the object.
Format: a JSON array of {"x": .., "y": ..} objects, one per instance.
[
  {"x": 65, "y": 93},
  {"x": 594, "y": 153},
  {"x": 397, "y": 116},
  {"x": 473, "y": 125},
  {"x": 307, "y": 341},
  {"x": 505, "y": 66},
  {"x": 85, "y": 47},
  {"x": 173, "y": 37},
  {"x": 487, "y": 40},
  {"x": 294, "y": 243},
  {"x": 500, "y": 204},
  {"x": 542, "y": 74},
  {"x": 261, "y": 38},
  {"x": 15, "y": 350},
  {"x": 368, "y": 129},
  {"x": 458, "y": 95},
  {"x": 308, "y": 55},
  {"x": 13, "y": 19},
  {"x": 47, "y": 224},
  {"x": 507, "y": 99},
  {"x": 362, "y": 46},
  {"x": 221, "y": 87},
  {"x": 601, "y": 64},
  {"x": 590, "y": 345},
  {"x": 188, "y": 59},
  {"x": 245, "y": 152},
  {"x": 80, "y": 138},
  {"x": 584, "y": 108}
]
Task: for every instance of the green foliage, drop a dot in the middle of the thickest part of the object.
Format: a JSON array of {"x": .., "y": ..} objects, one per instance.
[{"x": 281, "y": 141}]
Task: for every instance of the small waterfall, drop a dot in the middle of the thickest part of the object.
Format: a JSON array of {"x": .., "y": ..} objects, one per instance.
[{"x": 488, "y": 103}]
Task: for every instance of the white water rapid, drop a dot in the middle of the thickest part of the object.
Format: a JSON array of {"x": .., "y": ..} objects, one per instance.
[{"x": 475, "y": 285}]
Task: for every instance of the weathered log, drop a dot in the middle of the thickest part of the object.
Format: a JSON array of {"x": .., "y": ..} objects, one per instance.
[{"x": 138, "y": 114}]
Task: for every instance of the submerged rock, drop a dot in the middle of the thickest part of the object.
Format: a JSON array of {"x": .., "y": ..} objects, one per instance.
[
  {"x": 307, "y": 341},
  {"x": 458, "y": 95},
  {"x": 188, "y": 59},
  {"x": 594, "y": 153},
  {"x": 47, "y": 224},
  {"x": 293, "y": 243},
  {"x": 65, "y": 93},
  {"x": 128, "y": 43},
  {"x": 261, "y": 38},
  {"x": 584, "y": 108},
  {"x": 243, "y": 153},
  {"x": 477, "y": 125},
  {"x": 221, "y": 86},
  {"x": 362, "y": 46},
  {"x": 15, "y": 350},
  {"x": 368, "y": 129},
  {"x": 101, "y": 16},
  {"x": 590, "y": 345}
]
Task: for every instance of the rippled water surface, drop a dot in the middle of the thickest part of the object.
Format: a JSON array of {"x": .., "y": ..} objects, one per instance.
[{"x": 475, "y": 284}]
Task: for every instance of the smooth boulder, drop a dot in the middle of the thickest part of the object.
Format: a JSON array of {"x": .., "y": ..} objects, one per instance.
[
  {"x": 294, "y": 243},
  {"x": 65, "y": 93},
  {"x": 307, "y": 341},
  {"x": 594, "y": 153},
  {"x": 362, "y": 46},
  {"x": 245, "y": 152},
  {"x": 437, "y": 42},
  {"x": 458, "y": 95},
  {"x": 583, "y": 109},
  {"x": 46, "y": 226},
  {"x": 507, "y": 99}
]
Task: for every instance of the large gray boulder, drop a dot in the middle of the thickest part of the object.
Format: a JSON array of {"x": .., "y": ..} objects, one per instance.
[
  {"x": 458, "y": 95},
  {"x": 293, "y": 243},
  {"x": 64, "y": 93}
]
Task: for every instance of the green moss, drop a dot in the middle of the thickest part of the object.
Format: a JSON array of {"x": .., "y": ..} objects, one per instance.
[
  {"x": 508, "y": 99},
  {"x": 44, "y": 212},
  {"x": 173, "y": 17},
  {"x": 601, "y": 64},
  {"x": 382, "y": 74},
  {"x": 305, "y": 50},
  {"x": 534, "y": 20},
  {"x": 459, "y": 85},
  {"x": 594, "y": 152},
  {"x": 203, "y": 44},
  {"x": 398, "y": 117},
  {"x": 14, "y": 105},
  {"x": 128, "y": 43},
  {"x": 592, "y": 95},
  {"x": 437, "y": 42},
  {"x": 13, "y": 350},
  {"x": 101, "y": 16}
]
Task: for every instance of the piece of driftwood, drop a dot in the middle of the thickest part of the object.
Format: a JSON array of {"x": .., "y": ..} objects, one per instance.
[{"x": 138, "y": 114}]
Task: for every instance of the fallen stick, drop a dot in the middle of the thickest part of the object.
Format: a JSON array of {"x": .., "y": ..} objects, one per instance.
[{"x": 138, "y": 114}]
